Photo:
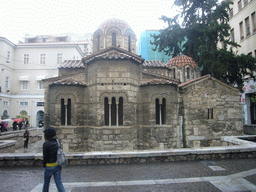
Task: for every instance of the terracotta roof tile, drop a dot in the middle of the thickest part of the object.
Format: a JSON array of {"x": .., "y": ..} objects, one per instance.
[
  {"x": 72, "y": 64},
  {"x": 154, "y": 64},
  {"x": 159, "y": 82},
  {"x": 68, "y": 81},
  {"x": 181, "y": 61}
]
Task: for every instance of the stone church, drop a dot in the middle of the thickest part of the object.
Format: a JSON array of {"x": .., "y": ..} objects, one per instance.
[{"x": 115, "y": 100}]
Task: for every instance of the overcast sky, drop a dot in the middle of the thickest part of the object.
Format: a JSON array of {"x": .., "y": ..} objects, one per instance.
[{"x": 53, "y": 17}]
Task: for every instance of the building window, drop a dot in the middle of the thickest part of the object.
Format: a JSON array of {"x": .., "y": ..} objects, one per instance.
[
  {"x": 253, "y": 22},
  {"x": 7, "y": 82},
  {"x": 241, "y": 30},
  {"x": 160, "y": 109},
  {"x": 85, "y": 48},
  {"x": 245, "y": 2},
  {"x": 174, "y": 73},
  {"x": 98, "y": 43},
  {"x": 59, "y": 58},
  {"x": 113, "y": 39},
  {"x": 8, "y": 57},
  {"x": 231, "y": 13},
  {"x": 113, "y": 113},
  {"x": 6, "y": 103},
  {"x": 129, "y": 43},
  {"x": 210, "y": 113},
  {"x": 26, "y": 58},
  {"x": 188, "y": 73},
  {"x": 239, "y": 5},
  {"x": 255, "y": 53},
  {"x": 24, "y": 85},
  {"x": 39, "y": 104},
  {"x": 247, "y": 26},
  {"x": 42, "y": 58},
  {"x": 232, "y": 35},
  {"x": 40, "y": 85},
  {"x": 65, "y": 112},
  {"x": 23, "y": 103}
]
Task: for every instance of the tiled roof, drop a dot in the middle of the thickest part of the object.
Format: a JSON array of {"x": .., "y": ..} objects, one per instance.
[
  {"x": 154, "y": 64},
  {"x": 181, "y": 61},
  {"x": 67, "y": 81},
  {"x": 72, "y": 64},
  {"x": 159, "y": 82},
  {"x": 113, "y": 53},
  {"x": 159, "y": 76},
  {"x": 194, "y": 80}
]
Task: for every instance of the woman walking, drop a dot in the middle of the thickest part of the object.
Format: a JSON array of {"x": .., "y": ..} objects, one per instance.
[
  {"x": 50, "y": 148},
  {"x": 26, "y": 138}
]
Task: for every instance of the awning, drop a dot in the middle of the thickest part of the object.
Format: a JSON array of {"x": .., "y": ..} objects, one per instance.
[
  {"x": 40, "y": 78},
  {"x": 23, "y": 78}
]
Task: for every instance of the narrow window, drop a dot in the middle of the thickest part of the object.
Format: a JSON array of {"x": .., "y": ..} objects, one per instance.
[
  {"x": 253, "y": 22},
  {"x": 8, "y": 57},
  {"x": 62, "y": 112},
  {"x": 247, "y": 26},
  {"x": 163, "y": 111},
  {"x": 69, "y": 112},
  {"x": 7, "y": 82},
  {"x": 59, "y": 58},
  {"x": 174, "y": 74},
  {"x": 120, "y": 111},
  {"x": 24, "y": 85},
  {"x": 232, "y": 35},
  {"x": 245, "y": 2},
  {"x": 113, "y": 39},
  {"x": 129, "y": 43},
  {"x": 210, "y": 113},
  {"x": 26, "y": 59},
  {"x": 188, "y": 73},
  {"x": 106, "y": 111},
  {"x": 157, "y": 112},
  {"x": 98, "y": 43},
  {"x": 40, "y": 85},
  {"x": 241, "y": 30},
  {"x": 42, "y": 58},
  {"x": 113, "y": 111},
  {"x": 231, "y": 13},
  {"x": 239, "y": 5}
]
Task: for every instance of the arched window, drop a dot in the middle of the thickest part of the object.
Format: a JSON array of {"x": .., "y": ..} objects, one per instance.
[
  {"x": 62, "y": 116},
  {"x": 113, "y": 111},
  {"x": 69, "y": 112},
  {"x": 160, "y": 111},
  {"x": 174, "y": 73},
  {"x": 98, "y": 43},
  {"x": 129, "y": 43},
  {"x": 120, "y": 111},
  {"x": 188, "y": 73},
  {"x": 157, "y": 112},
  {"x": 106, "y": 111},
  {"x": 113, "y": 114},
  {"x": 114, "y": 39}
]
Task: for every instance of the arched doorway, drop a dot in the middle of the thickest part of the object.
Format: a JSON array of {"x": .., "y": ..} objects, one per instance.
[{"x": 39, "y": 118}]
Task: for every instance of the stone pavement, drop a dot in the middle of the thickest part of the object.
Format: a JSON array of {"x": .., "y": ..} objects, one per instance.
[{"x": 215, "y": 175}]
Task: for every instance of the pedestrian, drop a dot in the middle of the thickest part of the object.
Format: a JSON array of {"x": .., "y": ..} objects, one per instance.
[
  {"x": 26, "y": 138},
  {"x": 14, "y": 126},
  {"x": 50, "y": 148},
  {"x": 20, "y": 125},
  {"x": 5, "y": 126}
]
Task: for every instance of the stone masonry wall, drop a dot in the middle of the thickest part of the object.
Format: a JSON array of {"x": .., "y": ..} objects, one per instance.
[{"x": 201, "y": 127}]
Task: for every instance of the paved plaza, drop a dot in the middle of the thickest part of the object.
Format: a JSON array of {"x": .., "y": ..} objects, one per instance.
[{"x": 218, "y": 175}]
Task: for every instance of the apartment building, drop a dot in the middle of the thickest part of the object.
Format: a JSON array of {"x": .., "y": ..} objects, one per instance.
[
  {"x": 243, "y": 31},
  {"x": 23, "y": 66}
]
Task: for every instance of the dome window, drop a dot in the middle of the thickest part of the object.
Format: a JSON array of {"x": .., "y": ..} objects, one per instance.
[
  {"x": 98, "y": 43},
  {"x": 113, "y": 39},
  {"x": 129, "y": 43}
]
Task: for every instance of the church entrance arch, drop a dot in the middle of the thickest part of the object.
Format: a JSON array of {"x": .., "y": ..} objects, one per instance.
[{"x": 39, "y": 117}]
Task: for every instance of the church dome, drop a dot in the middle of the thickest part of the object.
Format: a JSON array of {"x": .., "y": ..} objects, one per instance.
[
  {"x": 114, "y": 32},
  {"x": 121, "y": 24},
  {"x": 181, "y": 61}
]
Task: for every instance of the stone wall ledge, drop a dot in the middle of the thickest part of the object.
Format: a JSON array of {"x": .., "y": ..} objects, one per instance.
[{"x": 246, "y": 149}]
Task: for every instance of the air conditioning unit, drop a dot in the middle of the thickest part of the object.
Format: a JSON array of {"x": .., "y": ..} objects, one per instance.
[{"x": 8, "y": 61}]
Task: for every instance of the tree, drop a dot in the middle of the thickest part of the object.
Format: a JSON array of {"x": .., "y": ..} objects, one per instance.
[{"x": 205, "y": 26}]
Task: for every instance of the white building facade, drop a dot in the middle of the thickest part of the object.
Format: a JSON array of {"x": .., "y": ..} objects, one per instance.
[
  {"x": 24, "y": 65},
  {"x": 243, "y": 31}
]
